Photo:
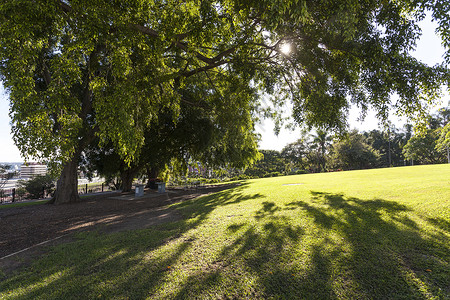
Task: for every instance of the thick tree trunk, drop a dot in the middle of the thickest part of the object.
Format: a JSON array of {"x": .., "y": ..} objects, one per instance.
[
  {"x": 127, "y": 177},
  {"x": 152, "y": 174},
  {"x": 67, "y": 185}
]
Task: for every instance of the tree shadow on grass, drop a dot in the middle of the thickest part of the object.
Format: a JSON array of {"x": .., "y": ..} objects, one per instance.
[
  {"x": 441, "y": 223},
  {"x": 100, "y": 267},
  {"x": 328, "y": 247},
  {"x": 345, "y": 248},
  {"x": 389, "y": 255},
  {"x": 199, "y": 209},
  {"x": 131, "y": 264}
]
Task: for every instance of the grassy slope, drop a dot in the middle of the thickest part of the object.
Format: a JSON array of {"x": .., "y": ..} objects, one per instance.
[{"x": 375, "y": 234}]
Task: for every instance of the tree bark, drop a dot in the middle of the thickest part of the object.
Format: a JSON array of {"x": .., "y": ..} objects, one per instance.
[
  {"x": 127, "y": 177},
  {"x": 152, "y": 174},
  {"x": 67, "y": 185}
]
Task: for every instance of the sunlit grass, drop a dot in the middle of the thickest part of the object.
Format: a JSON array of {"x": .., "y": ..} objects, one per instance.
[{"x": 375, "y": 234}]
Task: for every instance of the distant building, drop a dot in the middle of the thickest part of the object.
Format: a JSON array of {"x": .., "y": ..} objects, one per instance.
[{"x": 32, "y": 169}]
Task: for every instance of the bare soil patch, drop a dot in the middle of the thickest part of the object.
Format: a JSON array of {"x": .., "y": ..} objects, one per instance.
[{"x": 28, "y": 226}]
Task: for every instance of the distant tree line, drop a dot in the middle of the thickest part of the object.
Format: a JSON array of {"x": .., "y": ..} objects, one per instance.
[
  {"x": 392, "y": 147},
  {"x": 315, "y": 151}
]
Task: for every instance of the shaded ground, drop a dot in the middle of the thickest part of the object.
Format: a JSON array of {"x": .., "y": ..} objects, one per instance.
[{"x": 41, "y": 225}]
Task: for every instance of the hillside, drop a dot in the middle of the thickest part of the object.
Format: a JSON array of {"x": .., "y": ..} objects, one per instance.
[{"x": 372, "y": 234}]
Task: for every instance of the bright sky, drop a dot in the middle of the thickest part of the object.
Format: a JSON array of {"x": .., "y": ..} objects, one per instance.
[{"x": 429, "y": 50}]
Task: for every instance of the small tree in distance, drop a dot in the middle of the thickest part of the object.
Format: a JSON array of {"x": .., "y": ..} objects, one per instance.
[
  {"x": 3, "y": 175},
  {"x": 351, "y": 152},
  {"x": 443, "y": 142},
  {"x": 321, "y": 141},
  {"x": 39, "y": 186}
]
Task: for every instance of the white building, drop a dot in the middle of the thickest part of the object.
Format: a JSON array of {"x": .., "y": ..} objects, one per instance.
[{"x": 30, "y": 170}]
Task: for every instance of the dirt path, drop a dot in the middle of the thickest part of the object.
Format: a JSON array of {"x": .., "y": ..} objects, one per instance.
[{"x": 34, "y": 227}]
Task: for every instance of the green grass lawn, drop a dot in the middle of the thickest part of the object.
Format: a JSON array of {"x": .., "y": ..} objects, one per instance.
[{"x": 372, "y": 234}]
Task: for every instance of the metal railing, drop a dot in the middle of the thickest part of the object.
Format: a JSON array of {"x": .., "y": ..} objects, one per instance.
[
  {"x": 90, "y": 188},
  {"x": 10, "y": 195},
  {"x": 7, "y": 195}
]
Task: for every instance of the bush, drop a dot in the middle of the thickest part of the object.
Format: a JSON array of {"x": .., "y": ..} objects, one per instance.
[
  {"x": 298, "y": 172},
  {"x": 272, "y": 174},
  {"x": 21, "y": 192},
  {"x": 37, "y": 185}
]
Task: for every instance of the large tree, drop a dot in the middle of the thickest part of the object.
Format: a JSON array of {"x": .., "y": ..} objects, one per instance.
[
  {"x": 80, "y": 70},
  {"x": 216, "y": 136},
  {"x": 443, "y": 143},
  {"x": 351, "y": 152},
  {"x": 296, "y": 154},
  {"x": 271, "y": 164},
  {"x": 422, "y": 149},
  {"x": 430, "y": 145},
  {"x": 389, "y": 144}
]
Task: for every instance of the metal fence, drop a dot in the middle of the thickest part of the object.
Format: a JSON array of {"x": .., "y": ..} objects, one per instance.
[
  {"x": 10, "y": 195},
  {"x": 7, "y": 195},
  {"x": 90, "y": 188}
]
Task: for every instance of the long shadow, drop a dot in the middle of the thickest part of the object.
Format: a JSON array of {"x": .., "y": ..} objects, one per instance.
[
  {"x": 120, "y": 271},
  {"x": 123, "y": 267},
  {"x": 327, "y": 247},
  {"x": 441, "y": 223},
  {"x": 111, "y": 213},
  {"x": 385, "y": 243},
  {"x": 199, "y": 209},
  {"x": 379, "y": 251}
]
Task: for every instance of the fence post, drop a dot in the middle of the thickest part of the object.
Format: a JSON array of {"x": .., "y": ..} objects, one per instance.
[
  {"x": 13, "y": 194},
  {"x": 43, "y": 192},
  {"x": 86, "y": 188},
  {"x": 102, "y": 187}
]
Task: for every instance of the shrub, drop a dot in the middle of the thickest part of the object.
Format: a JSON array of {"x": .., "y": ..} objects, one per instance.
[
  {"x": 21, "y": 192},
  {"x": 274, "y": 174},
  {"x": 298, "y": 172},
  {"x": 37, "y": 185}
]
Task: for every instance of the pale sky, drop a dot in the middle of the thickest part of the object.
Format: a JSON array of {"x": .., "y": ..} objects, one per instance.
[{"x": 429, "y": 50}]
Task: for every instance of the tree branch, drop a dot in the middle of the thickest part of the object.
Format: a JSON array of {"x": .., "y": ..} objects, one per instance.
[
  {"x": 183, "y": 46},
  {"x": 145, "y": 30},
  {"x": 213, "y": 85},
  {"x": 86, "y": 104},
  {"x": 200, "y": 56},
  {"x": 202, "y": 69},
  {"x": 64, "y": 6},
  {"x": 47, "y": 76}
]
